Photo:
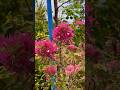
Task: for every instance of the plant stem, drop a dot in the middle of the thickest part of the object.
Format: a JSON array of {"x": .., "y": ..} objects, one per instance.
[
  {"x": 60, "y": 52},
  {"x": 60, "y": 55},
  {"x": 74, "y": 59}
]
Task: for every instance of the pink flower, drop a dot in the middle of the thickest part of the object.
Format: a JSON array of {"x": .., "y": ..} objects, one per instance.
[
  {"x": 45, "y": 48},
  {"x": 72, "y": 48},
  {"x": 63, "y": 33},
  {"x": 72, "y": 69},
  {"x": 50, "y": 70},
  {"x": 78, "y": 22},
  {"x": 69, "y": 70}
]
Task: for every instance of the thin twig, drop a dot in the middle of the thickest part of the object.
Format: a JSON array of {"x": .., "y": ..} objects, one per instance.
[{"x": 63, "y": 4}]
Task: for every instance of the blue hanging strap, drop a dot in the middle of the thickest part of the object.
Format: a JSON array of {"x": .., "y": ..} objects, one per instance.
[
  {"x": 50, "y": 22},
  {"x": 53, "y": 79},
  {"x": 50, "y": 28}
]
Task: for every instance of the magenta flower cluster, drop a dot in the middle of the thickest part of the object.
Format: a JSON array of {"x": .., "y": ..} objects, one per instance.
[
  {"x": 50, "y": 70},
  {"x": 45, "y": 48},
  {"x": 16, "y": 53},
  {"x": 63, "y": 33}
]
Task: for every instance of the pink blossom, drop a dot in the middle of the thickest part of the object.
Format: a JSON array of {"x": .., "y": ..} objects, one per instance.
[
  {"x": 45, "y": 48},
  {"x": 72, "y": 69},
  {"x": 63, "y": 33},
  {"x": 72, "y": 48},
  {"x": 16, "y": 52},
  {"x": 69, "y": 70},
  {"x": 78, "y": 22},
  {"x": 50, "y": 70}
]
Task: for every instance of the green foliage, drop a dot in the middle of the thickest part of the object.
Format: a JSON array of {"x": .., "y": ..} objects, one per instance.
[
  {"x": 15, "y": 16},
  {"x": 39, "y": 75},
  {"x": 9, "y": 81},
  {"x": 75, "y": 9},
  {"x": 41, "y": 30},
  {"x": 79, "y": 36}
]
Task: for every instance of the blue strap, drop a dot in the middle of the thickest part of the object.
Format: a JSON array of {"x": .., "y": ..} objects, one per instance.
[
  {"x": 50, "y": 23},
  {"x": 50, "y": 28},
  {"x": 53, "y": 79}
]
